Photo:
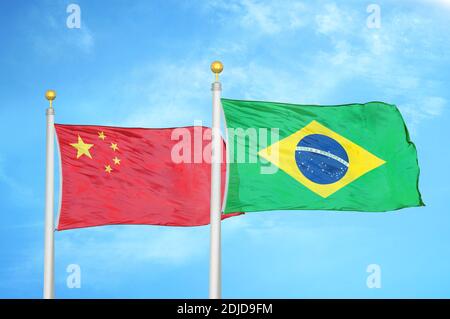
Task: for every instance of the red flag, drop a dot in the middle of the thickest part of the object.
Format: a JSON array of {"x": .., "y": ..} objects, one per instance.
[{"x": 113, "y": 175}]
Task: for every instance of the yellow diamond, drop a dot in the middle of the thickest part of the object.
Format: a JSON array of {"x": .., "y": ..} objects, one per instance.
[{"x": 282, "y": 154}]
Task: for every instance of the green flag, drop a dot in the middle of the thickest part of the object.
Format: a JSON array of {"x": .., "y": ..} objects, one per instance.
[{"x": 355, "y": 157}]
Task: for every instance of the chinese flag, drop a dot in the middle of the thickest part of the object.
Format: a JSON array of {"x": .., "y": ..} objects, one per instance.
[{"x": 113, "y": 175}]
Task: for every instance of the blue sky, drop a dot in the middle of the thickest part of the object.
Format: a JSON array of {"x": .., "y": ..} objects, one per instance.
[{"x": 146, "y": 63}]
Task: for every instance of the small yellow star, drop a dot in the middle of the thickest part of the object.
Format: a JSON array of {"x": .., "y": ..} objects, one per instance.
[
  {"x": 101, "y": 135},
  {"x": 82, "y": 148},
  {"x": 108, "y": 169},
  {"x": 114, "y": 146},
  {"x": 116, "y": 160}
]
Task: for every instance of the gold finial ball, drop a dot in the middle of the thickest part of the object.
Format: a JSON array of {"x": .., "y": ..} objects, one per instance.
[
  {"x": 50, "y": 95},
  {"x": 216, "y": 67}
]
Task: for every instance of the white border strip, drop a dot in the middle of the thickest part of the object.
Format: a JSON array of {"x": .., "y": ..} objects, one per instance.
[{"x": 327, "y": 154}]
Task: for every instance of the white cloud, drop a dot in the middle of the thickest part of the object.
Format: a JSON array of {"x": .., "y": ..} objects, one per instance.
[
  {"x": 333, "y": 19},
  {"x": 385, "y": 59},
  {"x": 173, "y": 94},
  {"x": 266, "y": 17},
  {"x": 434, "y": 105},
  {"x": 424, "y": 108},
  {"x": 443, "y": 3},
  {"x": 272, "y": 17},
  {"x": 169, "y": 94},
  {"x": 84, "y": 40},
  {"x": 54, "y": 38}
]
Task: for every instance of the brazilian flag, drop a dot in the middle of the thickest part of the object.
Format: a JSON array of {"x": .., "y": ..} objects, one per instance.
[{"x": 353, "y": 157}]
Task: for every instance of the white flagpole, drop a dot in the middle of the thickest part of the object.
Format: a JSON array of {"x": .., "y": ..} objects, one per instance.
[
  {"x": 49, "y": 254},
  {"x": 216, "y": 159}
]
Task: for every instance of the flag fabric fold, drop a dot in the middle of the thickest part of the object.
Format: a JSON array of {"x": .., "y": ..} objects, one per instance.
[
  {"x": 355, "y": 157},
  {"x": 113, "y": 175}
]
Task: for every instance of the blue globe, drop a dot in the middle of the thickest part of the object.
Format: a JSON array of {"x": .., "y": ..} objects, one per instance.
[{"x": 321, "y": 159}]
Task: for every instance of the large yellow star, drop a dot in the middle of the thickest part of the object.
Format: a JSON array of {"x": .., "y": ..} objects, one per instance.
[{"x": 82, "y": 148}]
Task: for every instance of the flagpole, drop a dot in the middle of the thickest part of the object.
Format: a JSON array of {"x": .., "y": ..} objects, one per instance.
[
  {"x": 49, "y": 254},
  {"x": 216, "y": 158}
]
